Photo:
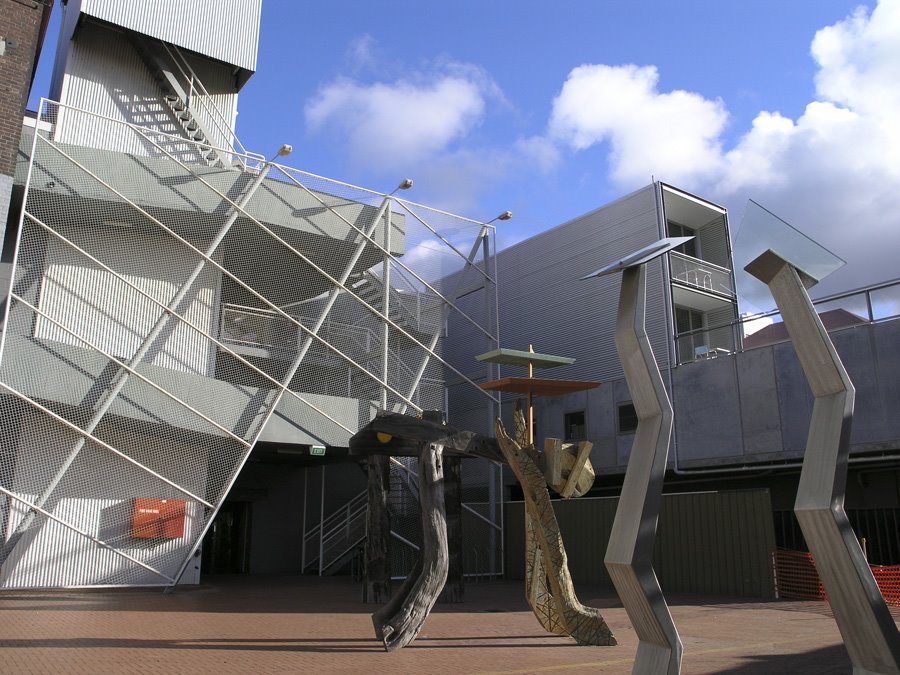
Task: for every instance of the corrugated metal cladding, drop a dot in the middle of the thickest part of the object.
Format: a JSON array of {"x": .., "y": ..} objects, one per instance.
[
  {"x": 714, "y": 242},
  {"x": 114, "y": 317},
  {"x": 94, "y": 500},
  {"x": 227, "y": 30},
  {"x": 543, "y": 301},
  {"x": 723, "y": 337},
  {"x": 105, "y": 75},
  {"x": 716, "y": 543}
]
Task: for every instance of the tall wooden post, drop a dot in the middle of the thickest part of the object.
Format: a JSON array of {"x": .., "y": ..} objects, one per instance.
[
  {"x": 454, "y": 589},
  {"x": 377, "y": 584}
]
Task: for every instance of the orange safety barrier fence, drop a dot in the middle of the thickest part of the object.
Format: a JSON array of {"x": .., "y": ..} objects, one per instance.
[{"x": 796, "y": 577}]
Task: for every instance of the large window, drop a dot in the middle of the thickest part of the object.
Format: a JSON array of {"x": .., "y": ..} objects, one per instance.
[{"x": 689, "y": 247}]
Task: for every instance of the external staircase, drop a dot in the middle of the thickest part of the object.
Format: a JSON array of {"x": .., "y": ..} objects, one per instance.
[
  {"x": 339, "y": 537},
  {"x": 192, "y": 106}
]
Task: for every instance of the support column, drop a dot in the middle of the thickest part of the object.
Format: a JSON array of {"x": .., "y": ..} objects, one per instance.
[
  {"x": 630, "y": 550},
  {"x": 866, "y": 625},
  {"x": 377, "y": 583}
]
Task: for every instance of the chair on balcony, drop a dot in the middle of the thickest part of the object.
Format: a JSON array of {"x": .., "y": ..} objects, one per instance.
[{"x": 704, "y": 352}]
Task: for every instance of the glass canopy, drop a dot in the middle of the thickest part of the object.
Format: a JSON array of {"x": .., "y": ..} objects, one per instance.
[{"x": 761, "y": 231}]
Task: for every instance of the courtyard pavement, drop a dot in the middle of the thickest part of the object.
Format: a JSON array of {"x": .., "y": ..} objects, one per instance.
[{"x": 282, "y": 624}]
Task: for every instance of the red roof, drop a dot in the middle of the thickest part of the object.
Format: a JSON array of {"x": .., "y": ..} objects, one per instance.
[{"x": 777, "y": 332}]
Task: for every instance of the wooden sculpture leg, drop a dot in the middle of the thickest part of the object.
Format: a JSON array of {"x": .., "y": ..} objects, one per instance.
[
  {"x": 400, "y": 620},
  {"x": 584, "y": 624}
]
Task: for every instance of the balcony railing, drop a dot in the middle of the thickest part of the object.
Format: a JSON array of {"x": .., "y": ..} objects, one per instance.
[
  {"x": 701, "y": 274},
  {"x": 872, "y": 304},
  {"x": 263, "y": 329}
]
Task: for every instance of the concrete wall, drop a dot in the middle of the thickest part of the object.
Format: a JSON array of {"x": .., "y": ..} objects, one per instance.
[
  {"x": 751, "y": 407},
  {"x": 755, "y": 406}
]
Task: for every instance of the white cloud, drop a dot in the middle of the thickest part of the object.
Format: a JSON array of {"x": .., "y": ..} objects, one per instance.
[
  {"x": 361, "y": 53},
  {"x": 539, "y": 151},
  {"x": 394, "y": 125},
  {"x": 833, "y": 172},
  {"x": 674, "y": 135}
]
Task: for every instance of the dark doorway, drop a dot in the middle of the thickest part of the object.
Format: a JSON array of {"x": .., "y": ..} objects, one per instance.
[{"x": 226, "y": 546}]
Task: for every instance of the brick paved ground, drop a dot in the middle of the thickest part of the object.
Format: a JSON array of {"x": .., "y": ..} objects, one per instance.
[{"x": 299, "y": 625}]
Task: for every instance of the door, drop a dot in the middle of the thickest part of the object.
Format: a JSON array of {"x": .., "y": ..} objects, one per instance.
[{"x": 226, "y": 546}]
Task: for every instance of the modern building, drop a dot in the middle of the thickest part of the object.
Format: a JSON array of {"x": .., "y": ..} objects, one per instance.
[
  {"x": 742, "y": 407},
  {"x": 543, "y": 302},
  {"x": 193, "y": 332}
]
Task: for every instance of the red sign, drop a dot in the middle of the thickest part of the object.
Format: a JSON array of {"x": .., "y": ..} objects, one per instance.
[{"x": 158, "y": 519}]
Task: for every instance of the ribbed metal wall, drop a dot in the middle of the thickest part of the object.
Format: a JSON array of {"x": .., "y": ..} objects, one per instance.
[
  {"x": 543, "y": 301},
  {"x": 714, "y": 242},
  {"x": 227, "y": 30},
  {"x": 105, "y": 75},
  {"x": 716, "y": 543},
  {"x": 107, "y": 314},
  {"x": 56, "y": 555}
]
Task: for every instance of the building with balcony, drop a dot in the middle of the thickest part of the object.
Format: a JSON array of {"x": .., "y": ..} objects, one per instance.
[
  {"x": 742, "y": 406},
  {"x": 192, "y": 333},
  {"x": 542, "y": 302}
]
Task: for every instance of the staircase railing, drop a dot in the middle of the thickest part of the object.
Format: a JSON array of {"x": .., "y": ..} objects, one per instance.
[
  {"x": 249, "y": 161},
  {"x": 407, "y": 306},
  {"x": 340, "y": 532},
  {"x": 256, "y": 327}
]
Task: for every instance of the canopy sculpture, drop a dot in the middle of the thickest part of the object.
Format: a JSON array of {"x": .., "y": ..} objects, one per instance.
[
  {"x": 567, "y": 469},
  {"x": 860, "y": 612},
  {"x": 630, "y": 550}
]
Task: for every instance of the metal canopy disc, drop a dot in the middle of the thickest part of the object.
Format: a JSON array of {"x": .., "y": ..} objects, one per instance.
[
  {"x": 640, "y": 256},
  {"x": 539, "y": 386},
  {"x": 518, "y": 357}
]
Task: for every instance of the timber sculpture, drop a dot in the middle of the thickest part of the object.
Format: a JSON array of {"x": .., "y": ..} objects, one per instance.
[
  {"x": 548, "y": 584},
  {"x": 550, "y": 590}
]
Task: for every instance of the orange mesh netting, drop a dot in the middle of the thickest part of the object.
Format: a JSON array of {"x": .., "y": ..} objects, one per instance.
[{"x": 796, "y": 577}]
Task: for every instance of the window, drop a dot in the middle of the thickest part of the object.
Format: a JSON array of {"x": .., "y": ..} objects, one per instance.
[
  {"x": 687, "y": 320},
  {"x": 688, "y": 247},
  {"x": 628, "y": 419},
  {"x": 575, "y": 429}
]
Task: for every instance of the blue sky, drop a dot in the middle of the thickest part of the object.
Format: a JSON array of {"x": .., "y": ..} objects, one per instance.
[{"x": 553, "y": 109}]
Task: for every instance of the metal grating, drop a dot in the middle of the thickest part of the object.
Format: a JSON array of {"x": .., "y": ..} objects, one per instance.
[{"x": 160, "y": 310}]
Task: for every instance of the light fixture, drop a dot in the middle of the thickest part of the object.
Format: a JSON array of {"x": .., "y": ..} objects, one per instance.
[
  {"x": 405, "y": 184},
  {"x": 506, "y": 215},
  {"x": 285, "y": 150}
]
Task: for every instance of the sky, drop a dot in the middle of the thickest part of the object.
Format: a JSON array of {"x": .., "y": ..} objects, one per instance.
[{"x": 551, "y": 110}]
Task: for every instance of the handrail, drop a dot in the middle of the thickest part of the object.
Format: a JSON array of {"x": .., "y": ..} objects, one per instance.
[
  {"x": 211, "y": 111},
  {"x": 865, "y": 293},
  {"x": 707, "y": 263},
  {"x": 702, "y": 274},
  {"x": 348, "y": 330}
]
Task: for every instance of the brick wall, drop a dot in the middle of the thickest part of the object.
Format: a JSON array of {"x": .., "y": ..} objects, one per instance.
[{"x": 20, "y": 25}]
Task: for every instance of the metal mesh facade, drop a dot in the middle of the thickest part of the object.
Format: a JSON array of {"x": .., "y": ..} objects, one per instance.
[{"x": 162, "y": 309}]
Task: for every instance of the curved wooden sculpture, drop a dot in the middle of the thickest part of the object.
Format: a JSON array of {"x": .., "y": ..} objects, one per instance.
[
  {"x": 555, "y": 605},
  {"x": 400, "y": 620},
  {"x": 862, "y": 616}
]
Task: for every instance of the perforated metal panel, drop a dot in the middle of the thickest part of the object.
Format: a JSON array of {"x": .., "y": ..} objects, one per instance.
[{"x": 160, "y": 311}]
